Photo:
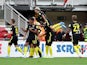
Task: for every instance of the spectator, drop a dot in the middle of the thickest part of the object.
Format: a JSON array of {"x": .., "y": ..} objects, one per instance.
[
  {"x": 85, "y": 32},
  {"x": 67, "y": 37},
  {"x": 81, "y": 37}
]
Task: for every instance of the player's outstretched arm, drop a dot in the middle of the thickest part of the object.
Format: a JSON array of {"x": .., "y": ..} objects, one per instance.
[{"x": 25, "y": 30}]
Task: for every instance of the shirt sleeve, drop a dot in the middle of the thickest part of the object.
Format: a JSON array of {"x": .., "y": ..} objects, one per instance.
[
  {"x": 28, "y": 27},
  {"x": 70, "y": 26},
  {"x": 16, "y": 30}
]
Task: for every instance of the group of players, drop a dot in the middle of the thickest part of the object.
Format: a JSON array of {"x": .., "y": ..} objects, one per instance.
[{"x": 34, "y": 31}]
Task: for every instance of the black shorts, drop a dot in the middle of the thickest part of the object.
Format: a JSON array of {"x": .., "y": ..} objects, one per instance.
[
  {"x": 37, "y": 44},
  {"x": 31, "y": 39},
  {"x": 75, "y": 39},
  {"x": 13, "y": 40},
  {"x": 49, "y": 40}
]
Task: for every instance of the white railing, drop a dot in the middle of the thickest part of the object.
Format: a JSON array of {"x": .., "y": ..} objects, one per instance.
[
  {"x": 49, "y": 2},
  {"x": 32, "y": 3},
  {"x": 1, "y": 3},
  {"x": 21, "y": 2},
  {"x": 17, "y": 2},
  {"x": 11, "y": 13}
]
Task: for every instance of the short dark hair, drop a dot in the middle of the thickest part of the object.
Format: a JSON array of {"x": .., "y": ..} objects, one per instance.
[
  {"x": 13, "y": 21},
  {"x": 74, "y": 17}
]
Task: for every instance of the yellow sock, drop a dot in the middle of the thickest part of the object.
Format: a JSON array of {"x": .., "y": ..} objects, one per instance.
[
  {"x": 36, "y": 50},
  {"x": 76, "y": 49},
  {"x": 46, "y": 50},
  {"x": 39, "y": 50},
  {"x": 9, "y": 50},
  {"x": 19, "y": 49},
  {"x": 78, "y": 46},
  {"x": 25, "y": 50},
  {"x": 50, "y": 48},
  {"x": 31, "y": 51}
]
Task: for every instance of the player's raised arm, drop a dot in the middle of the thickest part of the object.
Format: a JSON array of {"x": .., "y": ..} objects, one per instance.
[{"x": 25, "y": 30}]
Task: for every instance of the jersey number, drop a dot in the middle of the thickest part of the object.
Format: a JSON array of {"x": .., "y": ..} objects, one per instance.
[{"x": 76, "y": 28}]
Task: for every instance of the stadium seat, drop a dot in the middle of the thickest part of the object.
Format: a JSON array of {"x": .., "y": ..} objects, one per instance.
[{"x": 3, "y": 31}]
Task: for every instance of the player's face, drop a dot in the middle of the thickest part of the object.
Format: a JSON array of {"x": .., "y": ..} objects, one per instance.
[
  {"x": 11, "y": 22},
  {"x": 37, "y": 11},
  {"x": 31, "y": 22}
]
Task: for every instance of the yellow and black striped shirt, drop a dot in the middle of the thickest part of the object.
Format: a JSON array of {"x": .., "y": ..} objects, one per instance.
[{"x": 14, "y": 30}]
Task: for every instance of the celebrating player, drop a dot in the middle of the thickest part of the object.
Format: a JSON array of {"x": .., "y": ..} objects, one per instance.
[
  {"x": 49, "y": 38},
  {"x": 85, "y": 32},
  {"x": 14, "y": 38},
  {"x": 75, "y": 27},
  {"x": 32, "y": 38},
  {"x": 39, "y": 15},
  {"x": 37, "y": 43}
]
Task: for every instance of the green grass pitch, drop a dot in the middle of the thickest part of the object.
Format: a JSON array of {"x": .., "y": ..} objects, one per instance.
[{"x": 43, "y": 61}]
